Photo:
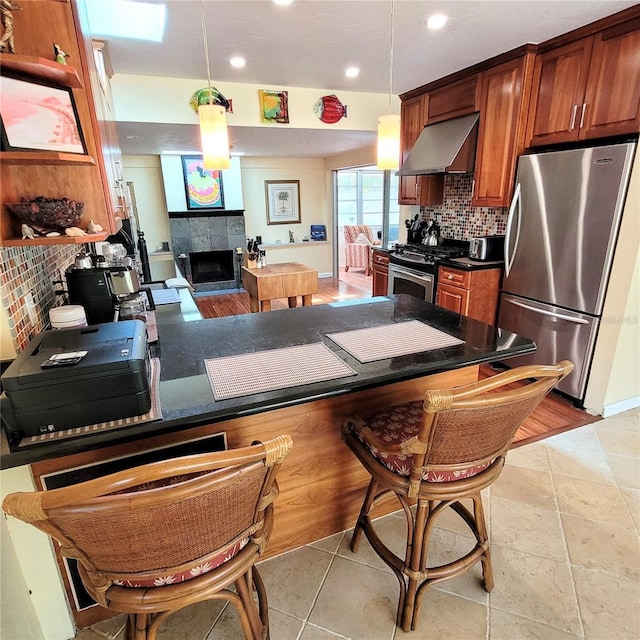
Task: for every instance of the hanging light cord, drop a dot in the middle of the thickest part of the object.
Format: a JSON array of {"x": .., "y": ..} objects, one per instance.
[
  {"x": 390, "y": 56},
  {"x": 206, "y": 50}
]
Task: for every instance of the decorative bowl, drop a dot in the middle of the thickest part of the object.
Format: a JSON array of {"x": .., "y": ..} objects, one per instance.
[{"x": 48, "y": 213}]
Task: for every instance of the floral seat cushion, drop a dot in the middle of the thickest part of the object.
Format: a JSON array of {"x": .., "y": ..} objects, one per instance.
[{"x": 396, "y": 425}]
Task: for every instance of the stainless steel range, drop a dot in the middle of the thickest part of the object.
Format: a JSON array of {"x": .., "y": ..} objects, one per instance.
[{"x": 413, "y": 268}]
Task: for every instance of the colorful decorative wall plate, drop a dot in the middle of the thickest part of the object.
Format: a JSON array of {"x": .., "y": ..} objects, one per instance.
[
  {"x": 329, "y": 109},
  {"x": 274, "y": 106}
]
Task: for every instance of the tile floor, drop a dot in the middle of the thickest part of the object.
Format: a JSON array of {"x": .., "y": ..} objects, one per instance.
[{"x": 564, "y": 522}]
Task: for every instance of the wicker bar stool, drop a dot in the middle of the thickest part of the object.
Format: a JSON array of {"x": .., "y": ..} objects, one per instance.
[
  {"x": 434, "y": 453},
  {"x": 156, "y": 538}
]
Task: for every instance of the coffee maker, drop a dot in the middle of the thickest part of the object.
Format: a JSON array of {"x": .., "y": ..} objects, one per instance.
[{"x": 101, "y": 285}]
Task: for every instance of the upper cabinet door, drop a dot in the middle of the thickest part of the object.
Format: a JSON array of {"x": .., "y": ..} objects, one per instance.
[
  {"x": 501, "y": 132},
  {"x": 412, "y": 120},
  {"x": 612, "y": 101},
  {"x": 456, "y": 99},
  {"x": 559, "y": 81}
]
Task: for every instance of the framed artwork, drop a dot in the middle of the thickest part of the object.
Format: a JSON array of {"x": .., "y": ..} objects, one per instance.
[
  {"x": 203, "y": 187},
  {"x": 283, "y": 201},
  {"x": 39, "y": 117},
  {"x": 274, "y": 106}
]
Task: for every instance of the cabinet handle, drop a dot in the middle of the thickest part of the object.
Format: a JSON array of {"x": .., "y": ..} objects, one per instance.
[
  {"x": 450, "y": 277},
  {"x": 573, "y": 117},
  {"x": 584, "y": 108}
]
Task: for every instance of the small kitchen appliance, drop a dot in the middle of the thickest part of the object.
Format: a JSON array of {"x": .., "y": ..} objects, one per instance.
[
  {"x": 107, "y": 379},
  {"x": 487, "y": 248},
  {"x": 102, "y": 283}
]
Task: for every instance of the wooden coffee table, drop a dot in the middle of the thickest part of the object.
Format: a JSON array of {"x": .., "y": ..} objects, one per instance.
[{"x": 285, "y": 280}]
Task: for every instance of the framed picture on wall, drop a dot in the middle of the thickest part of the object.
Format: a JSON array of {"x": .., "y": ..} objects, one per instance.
[
  {"x": 39, "y": 117},
  {"x": 283, "y": 201},
  {"x": 203, "y": 187}
]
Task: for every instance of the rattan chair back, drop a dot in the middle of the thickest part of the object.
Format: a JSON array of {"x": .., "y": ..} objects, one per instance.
[{"x": 161, "y": 519}]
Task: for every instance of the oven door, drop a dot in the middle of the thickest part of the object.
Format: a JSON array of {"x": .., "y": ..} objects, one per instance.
[{"x": 412, "y": 282}]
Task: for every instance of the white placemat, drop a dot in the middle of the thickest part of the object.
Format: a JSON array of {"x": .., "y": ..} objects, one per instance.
[
  {"x": 392, "y": 340},
  {"x": 248, "y": 373}
]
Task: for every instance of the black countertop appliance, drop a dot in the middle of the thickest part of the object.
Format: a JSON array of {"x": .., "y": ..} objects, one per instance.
[{"x": 109, "y": 382}]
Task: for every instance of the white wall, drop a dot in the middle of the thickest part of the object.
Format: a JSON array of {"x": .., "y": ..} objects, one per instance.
[
  {"x": 146, "y": 175},
  {"x": 614, "y": 383},
  {"x": 38, "y": 586},
  {"x": 175, "y": 194},
  {"x": 166, "y": 100}
]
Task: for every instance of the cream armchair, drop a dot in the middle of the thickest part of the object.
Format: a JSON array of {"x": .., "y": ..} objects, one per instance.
[{"x": 358, "y": 240}]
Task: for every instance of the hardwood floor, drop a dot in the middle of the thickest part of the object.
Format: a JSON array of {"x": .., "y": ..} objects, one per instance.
[{"x": 554, "y": 415}]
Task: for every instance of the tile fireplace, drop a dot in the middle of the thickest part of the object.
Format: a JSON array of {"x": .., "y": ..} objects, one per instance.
[{"x": 207, "y": 241}]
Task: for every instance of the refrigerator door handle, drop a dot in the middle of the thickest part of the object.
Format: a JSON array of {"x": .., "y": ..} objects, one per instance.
[
  {"x": 560, "y": 316},
  {"x": 508, "y": 257}
]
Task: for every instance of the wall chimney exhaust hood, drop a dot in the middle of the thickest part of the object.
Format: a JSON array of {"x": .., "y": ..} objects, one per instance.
[{"x": 444, "y": 147}]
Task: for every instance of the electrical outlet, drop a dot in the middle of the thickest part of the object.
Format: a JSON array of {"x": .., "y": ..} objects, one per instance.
[{"x": 31, "y": 309}]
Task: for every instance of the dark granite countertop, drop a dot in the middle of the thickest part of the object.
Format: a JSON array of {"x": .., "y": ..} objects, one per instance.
[
  {"x": 469, "y": 264},
  {"x": 465, "y": 264},
  {"x": 186, "y": 341}
]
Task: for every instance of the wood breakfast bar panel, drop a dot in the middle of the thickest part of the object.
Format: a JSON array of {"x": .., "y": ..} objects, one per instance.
[
  {"x": 286, "y": 280},
  {"x": 321, "y": 483}
]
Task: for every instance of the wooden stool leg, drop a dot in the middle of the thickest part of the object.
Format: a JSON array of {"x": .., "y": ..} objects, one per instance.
[
  {"x": 137, "y": 626},
  {"x": 487, "y": 570},
  {"x": 265, "y": 305},
  {"x": 364, "y": 510},
  {"x": 249, "y": 605},
  {"x": 263, "y": 604}
]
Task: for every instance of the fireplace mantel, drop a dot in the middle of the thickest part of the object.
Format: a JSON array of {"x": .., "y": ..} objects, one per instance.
[{"x": 209, "y": 213}]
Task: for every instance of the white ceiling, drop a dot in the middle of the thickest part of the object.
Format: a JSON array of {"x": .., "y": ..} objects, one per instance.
[{"x": 309, "y": 44}]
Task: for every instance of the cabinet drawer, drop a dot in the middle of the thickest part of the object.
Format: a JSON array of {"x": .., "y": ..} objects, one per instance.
[
  {"x": 380, "y": 258},
  {"x": 455, "y": 277}
]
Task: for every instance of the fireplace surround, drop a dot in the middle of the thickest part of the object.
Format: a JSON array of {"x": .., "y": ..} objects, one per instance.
[{"x": 217, "y": 232}]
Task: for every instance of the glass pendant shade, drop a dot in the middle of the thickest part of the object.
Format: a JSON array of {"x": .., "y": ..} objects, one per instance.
[
  {"x": 388, "y": 142},
  {"x": 214, "y": 136}
]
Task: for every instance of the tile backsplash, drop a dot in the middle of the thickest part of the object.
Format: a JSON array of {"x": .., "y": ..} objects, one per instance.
[
  {"x": 457, "y": 218},
  {"x": 28, "y": 271}
]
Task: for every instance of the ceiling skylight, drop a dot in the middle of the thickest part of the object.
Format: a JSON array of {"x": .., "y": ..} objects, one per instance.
[{"x": 127, "y": 19}]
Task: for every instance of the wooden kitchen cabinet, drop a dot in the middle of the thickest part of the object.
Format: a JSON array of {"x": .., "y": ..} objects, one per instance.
[
  {"x": 470, "y": 293},
  {"x": 54, "y": 175},
  {"x": 456, "y": 99},
  {"x": 504, "y": 91},
  {"x": 588, "y": 88},
  {"x": 424, "y": 190},
  {"x": 380, "y": 268}
]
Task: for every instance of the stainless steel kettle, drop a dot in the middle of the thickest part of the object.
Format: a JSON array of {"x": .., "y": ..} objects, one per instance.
[{"x": 83, "y": 261}]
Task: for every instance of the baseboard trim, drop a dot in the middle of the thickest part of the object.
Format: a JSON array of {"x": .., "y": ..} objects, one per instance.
[{"x": 618, "y": 407}]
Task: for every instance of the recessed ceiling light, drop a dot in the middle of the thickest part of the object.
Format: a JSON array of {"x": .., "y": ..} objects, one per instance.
[
  {"x": 237, "y": 61},
  {"x": 437, "y": 21},
  {"x": 283, "y": 2},
  {"x": 351, "y": 72}
]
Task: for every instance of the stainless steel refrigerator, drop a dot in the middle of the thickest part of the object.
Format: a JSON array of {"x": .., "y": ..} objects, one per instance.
[{"x": 561, "y": 236}]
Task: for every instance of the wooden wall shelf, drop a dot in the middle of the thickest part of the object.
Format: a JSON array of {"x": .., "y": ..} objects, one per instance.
[
  {"x": 42, "y": 68},
  {"x": 94, "y": 237},
  {"x": 45, "y": 157}
]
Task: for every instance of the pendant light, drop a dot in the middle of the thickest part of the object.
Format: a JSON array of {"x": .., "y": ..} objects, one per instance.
[
  {"x": 213, "y": 120},
  {"x": 389, "y": 125}
]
